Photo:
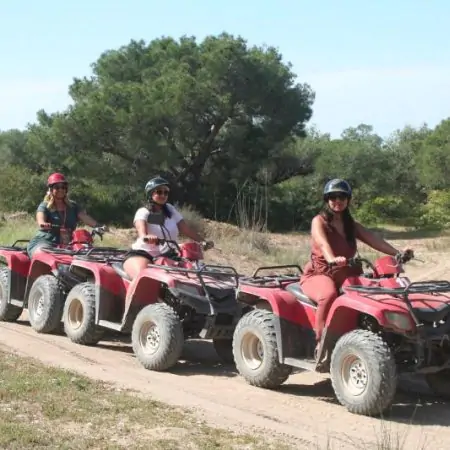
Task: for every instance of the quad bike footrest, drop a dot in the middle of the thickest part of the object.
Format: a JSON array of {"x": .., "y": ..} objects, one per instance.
[
  {"x": 18, "y": 303},
  {"x": 110, "y": 325},
  {"x": 212, "y": 330},
  {"x": 306, "y": 364}
]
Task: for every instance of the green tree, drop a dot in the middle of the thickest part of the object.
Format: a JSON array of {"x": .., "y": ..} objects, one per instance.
[{"x": 184, "y": 109}]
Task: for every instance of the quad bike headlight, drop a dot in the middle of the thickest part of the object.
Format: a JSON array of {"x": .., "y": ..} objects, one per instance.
[{"x": 398, "y": 320}]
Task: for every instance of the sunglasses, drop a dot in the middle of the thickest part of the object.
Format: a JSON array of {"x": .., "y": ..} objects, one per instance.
[
  {"x": 59, "y": 186},
  {"x": 162, "y": 192},
  {"x": 341, "y": 197}
]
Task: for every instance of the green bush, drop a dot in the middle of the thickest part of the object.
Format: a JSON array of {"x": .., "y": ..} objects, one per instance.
[
  {"x": 388, "y": 209},
  {"x": 436, "y": 211},
  {"x": 20, "y": 189}
]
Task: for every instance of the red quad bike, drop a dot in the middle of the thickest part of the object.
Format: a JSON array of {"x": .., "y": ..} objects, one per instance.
[
  {"x": 33, "y": 284},
  {"x": 171, "y": 300},
  {"x": 381, "y": 325}
]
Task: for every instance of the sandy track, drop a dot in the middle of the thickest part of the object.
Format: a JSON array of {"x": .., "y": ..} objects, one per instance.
[{"x": 304, "y": 409}]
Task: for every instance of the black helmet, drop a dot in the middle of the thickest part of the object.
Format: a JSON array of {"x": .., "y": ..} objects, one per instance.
[
  {"x": 155, "y": 183},
  {"x": 337, "y": 185}
]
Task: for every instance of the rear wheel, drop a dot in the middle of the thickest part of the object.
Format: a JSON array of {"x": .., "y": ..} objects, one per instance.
[
  {"x": 8, "y": 312},
  {"x": 79, "y": 315},
  {"x": 439, "y": 383},
  {"x": 255, "y": 350},
  {"x": 45, "y": 304},
  {"x": 363, "y": 373},
  {"x": 224, "y": 350}
]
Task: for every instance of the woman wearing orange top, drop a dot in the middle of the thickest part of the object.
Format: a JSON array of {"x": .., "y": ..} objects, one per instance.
[{"x": 333, "y": 240}]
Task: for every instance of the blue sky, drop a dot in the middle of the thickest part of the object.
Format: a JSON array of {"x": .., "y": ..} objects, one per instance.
[{"x": 385, "y": 63}]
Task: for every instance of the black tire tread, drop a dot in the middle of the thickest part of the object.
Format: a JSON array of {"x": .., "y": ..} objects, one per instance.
[
  {"x": 8, "y": 312},
  {"x": 439, "y": 383},
  {"x": 90, "y": 333},
  {"x": 276, "y": 373},
  {"x": 167, "y": 320},
  {"x": 49, "y": 284},
  {"x": 224, "y": 350},
  {"x": 380, "y": 360}
]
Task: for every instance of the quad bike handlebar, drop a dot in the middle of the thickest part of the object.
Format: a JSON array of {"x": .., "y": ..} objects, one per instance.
[
  {"x": 205, "y": 245},
  {"x": 96, "y": 231},
  {"x": 400, "y": 257}
]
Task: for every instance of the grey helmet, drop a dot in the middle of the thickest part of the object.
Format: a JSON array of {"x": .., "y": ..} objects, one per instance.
[
  {"x": 337, "y": 185},
  {"x": 153, "y": 184}
]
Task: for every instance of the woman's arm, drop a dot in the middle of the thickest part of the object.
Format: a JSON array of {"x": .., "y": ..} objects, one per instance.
[
  {"x": 375, "y": 241},
  {"x": 141, "y": 227},
  {"x": 185, "y": 229},
  {"x": 319, "y": 235},
  {"x": 40, "y": 218},
  {"x": 87, "y": 219}
]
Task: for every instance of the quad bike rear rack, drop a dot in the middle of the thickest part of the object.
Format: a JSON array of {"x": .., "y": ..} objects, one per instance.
[
  {"x": 416, "y": 287},
  {"x": 109, "y": 255},
  {"x": 272, "y": 281},
  {"x": 14, "y": 247}
]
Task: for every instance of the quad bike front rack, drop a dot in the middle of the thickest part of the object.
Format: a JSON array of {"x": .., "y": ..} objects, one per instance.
[
  {"x": 272, "y": 281},
  {"x": 416, "y": 287}
]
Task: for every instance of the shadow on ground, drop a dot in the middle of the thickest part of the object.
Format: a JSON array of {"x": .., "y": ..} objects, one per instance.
[{"x": 413, "y": 404}]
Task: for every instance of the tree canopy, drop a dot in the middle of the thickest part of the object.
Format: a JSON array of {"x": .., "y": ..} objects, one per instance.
[{"x": 226, "y": 123}]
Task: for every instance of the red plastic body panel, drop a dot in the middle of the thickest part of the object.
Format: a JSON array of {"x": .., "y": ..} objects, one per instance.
[
  {"x": 345, "y": 310},
  {"x": 387, "y": 265},
  {"x": 81, "y": 238},
  {"x": 192, "y": 251},
  {"x": 16, "y": 261}
]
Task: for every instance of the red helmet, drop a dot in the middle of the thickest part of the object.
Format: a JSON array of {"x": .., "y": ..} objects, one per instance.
[{"x": 56, "y": 178}]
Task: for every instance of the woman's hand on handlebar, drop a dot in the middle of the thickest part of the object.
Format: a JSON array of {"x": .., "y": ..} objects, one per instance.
[
  {"x": 207, "y": 245},
  {"x": 151, "y": 239},
  {"x": 406, "y": 255},
  {"x": 339, "y": 261},
  {"x": 45, "y": 226}
]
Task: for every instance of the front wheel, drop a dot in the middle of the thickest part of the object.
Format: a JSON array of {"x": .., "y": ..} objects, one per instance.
[
  {"x": 363, "y": 373},
  {"x": 157, "y": 337},
  {"x": 45, "y": 304},
  {"x": 439, "y": 383},
  {"x": 255, "y": 350}
]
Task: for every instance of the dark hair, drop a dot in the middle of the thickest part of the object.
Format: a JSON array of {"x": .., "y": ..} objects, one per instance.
[
  {"x": 165, "y": 209},
  {"x": 347, "y": 219}
]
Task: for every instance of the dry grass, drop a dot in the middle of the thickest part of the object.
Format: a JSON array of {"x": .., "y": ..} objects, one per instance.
[
  {"x": 43, "y": 407},
  {"x": 244, "y": 248}
]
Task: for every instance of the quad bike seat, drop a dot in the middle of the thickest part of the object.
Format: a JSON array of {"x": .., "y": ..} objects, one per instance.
[
  {"x": 432, "y": 314},
  {"x": 296, "y": 290},
  {"x": 118, "y": 267}
]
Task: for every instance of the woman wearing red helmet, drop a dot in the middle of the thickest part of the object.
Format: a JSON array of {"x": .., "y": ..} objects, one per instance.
[{"x": 57, "y": 209}]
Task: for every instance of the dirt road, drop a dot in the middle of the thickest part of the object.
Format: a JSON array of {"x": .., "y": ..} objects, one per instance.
[{"x": 304, "y": 409}]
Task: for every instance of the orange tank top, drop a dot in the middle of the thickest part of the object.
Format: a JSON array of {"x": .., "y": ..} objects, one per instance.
[{"x": 318, "y": 265}]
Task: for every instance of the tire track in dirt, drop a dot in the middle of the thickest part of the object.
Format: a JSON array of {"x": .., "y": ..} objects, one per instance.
[{"x": 303, "y": 409}]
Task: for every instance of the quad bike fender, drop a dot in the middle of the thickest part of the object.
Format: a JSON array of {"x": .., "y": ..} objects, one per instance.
[
  {"x": 144, "y": 290},
  {"x": 282, "y": 303},
  {"x": 293, "y": 321},
  {"x": 17, "y": 262},
  {"x": 18, "y": 265},
  {"x": 110, "y": 288},
  {"x": 346, "y": 310}
]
